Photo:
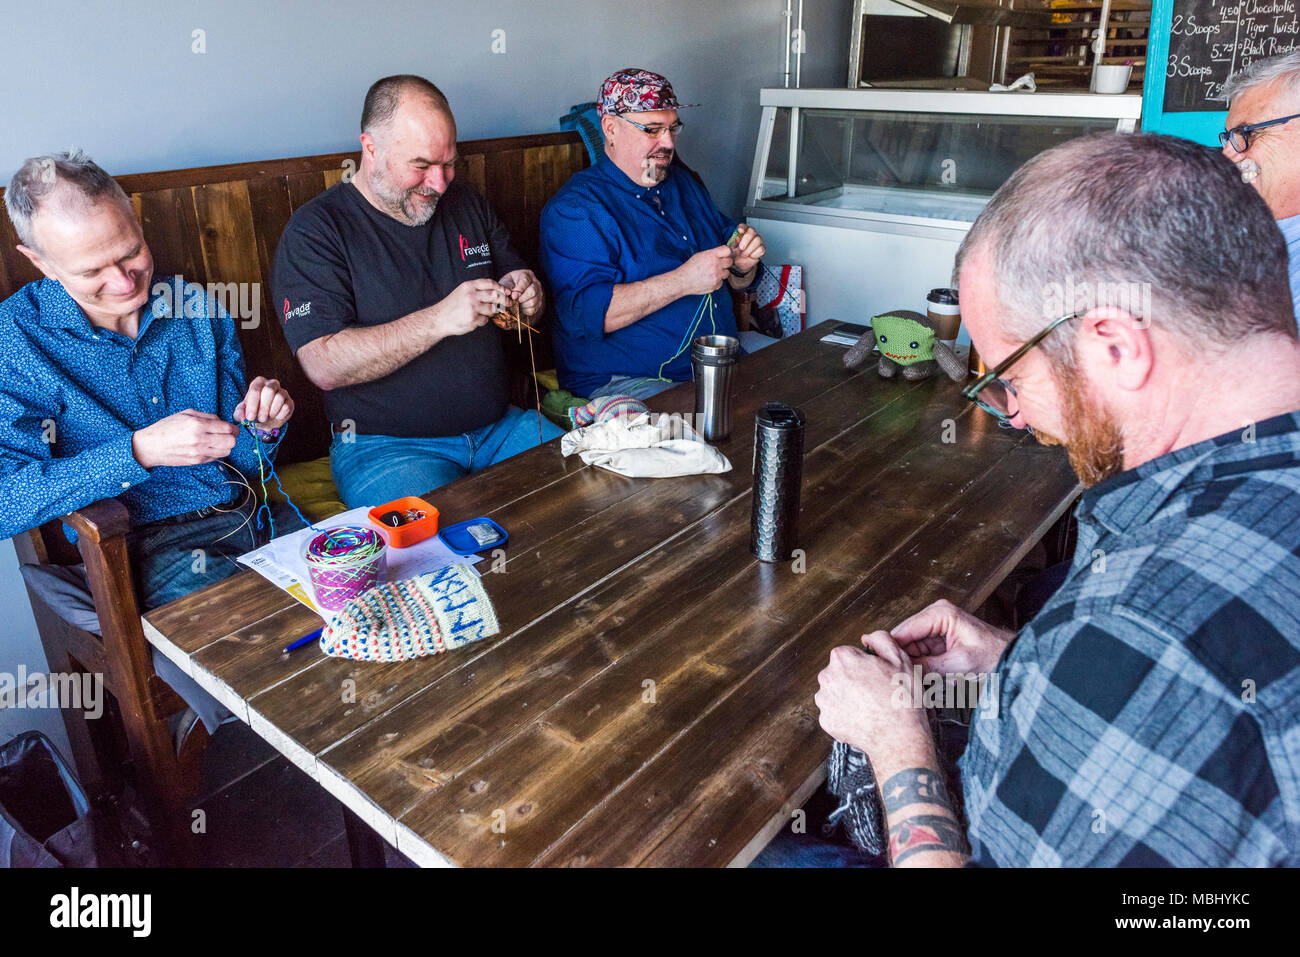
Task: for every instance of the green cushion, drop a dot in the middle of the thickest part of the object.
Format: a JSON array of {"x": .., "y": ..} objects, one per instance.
[
  {"x": 556, "y": 406},
  {"x": 311, "y": 486}
]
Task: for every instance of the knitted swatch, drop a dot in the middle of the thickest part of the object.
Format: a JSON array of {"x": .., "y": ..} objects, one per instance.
[{"x": 407, "y": 619}]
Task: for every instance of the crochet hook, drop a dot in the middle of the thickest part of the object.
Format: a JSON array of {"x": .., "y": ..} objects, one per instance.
[{"x": 305, "y": 640}]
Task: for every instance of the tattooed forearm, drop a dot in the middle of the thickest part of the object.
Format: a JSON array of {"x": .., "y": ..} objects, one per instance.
[
  {"x": 925, "y": 832},
  {"x": 914, "y": 833},
  {"x": 915, "y": 786}
]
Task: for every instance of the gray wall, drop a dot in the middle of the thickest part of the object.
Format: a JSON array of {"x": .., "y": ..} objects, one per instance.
[
  {"x": 287, "y": 78},
  {"x": 21, "y": 645},
  {"x": 121, "y": 80}
]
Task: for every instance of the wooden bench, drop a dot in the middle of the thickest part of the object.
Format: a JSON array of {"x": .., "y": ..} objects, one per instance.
[{"x": 221, "y": 224}]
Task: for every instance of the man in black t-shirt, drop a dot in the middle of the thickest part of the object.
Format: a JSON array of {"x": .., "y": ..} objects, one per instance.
[{"x": 388, "y": 283}]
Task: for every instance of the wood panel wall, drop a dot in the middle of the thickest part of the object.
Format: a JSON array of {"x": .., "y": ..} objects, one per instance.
[{"x": 221, "y": 224}]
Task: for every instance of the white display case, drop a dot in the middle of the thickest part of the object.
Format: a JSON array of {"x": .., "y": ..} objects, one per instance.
[{"x": 872, "y": 191}]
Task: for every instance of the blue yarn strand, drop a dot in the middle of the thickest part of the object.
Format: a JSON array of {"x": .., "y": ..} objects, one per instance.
[
  {"x": 270, "y": 466},
  {"x": 691, "y": 327}
]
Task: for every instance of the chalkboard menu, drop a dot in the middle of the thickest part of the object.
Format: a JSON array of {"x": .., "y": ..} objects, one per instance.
[{"x": 1209, "y": 40}]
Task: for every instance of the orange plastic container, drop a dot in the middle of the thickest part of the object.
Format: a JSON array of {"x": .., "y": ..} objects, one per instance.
[{"x": 411, "y": 532}]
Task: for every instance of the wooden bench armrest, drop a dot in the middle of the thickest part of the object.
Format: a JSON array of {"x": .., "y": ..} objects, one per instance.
[
  {"x": 96, "y": 523},
  {"x": 101, "y": 529},
  {"x": 144, "y": 700},
  {"x": 99, "y": 521}
]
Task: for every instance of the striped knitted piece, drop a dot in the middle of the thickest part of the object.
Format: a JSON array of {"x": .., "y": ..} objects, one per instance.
[
  {"x": 407, "y": 619},
  {"x": 605, "y": 408}
]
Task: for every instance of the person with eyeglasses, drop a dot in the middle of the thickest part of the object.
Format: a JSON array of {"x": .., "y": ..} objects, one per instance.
[
  {"x": 1146, "y": 716},
  {"x": 1262, "y": 136},
  {"x": 636, "y": 252}
]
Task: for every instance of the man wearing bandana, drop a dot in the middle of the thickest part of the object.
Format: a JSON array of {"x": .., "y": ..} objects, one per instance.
[
  {"x": 1262, "y": 136},
  {"x": 636, "y": 251}
]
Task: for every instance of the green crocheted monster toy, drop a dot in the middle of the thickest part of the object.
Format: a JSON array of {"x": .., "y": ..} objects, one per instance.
[{"x": 906, "y": 340}]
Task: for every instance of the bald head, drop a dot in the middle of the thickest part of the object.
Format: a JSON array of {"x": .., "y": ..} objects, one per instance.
[{"x": 394, "y": 95}]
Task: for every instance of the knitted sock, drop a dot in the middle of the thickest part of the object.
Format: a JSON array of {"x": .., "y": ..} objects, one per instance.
[{"x": 605, "y": 408}]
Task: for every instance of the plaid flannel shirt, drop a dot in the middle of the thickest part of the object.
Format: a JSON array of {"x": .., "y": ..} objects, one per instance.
[{"x": 1150, "y": 714}]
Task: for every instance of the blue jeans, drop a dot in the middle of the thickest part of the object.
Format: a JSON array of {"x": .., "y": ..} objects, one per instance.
[
  {"x": 170, "y": 561},
  {"x": 639, "y": 387},
  {"x": 814, "y": 848},
  {"x": 370, "y": 470},
  {"x": 809, "y": 850}
]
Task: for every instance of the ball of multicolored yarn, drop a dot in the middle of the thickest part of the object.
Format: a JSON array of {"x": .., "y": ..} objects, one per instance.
[{"x": 343, "y": 563}]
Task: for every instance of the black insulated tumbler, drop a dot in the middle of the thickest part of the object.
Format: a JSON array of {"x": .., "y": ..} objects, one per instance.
[{"x": 778, "y": 471}]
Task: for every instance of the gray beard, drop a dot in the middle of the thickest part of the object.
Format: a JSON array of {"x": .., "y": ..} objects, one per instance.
[
  {"x": 400, "y": 205},
  {"x": 419, "y": 219}
]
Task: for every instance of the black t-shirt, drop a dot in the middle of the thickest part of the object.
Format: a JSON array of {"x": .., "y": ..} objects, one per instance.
[{"x": 343, "y": 263}]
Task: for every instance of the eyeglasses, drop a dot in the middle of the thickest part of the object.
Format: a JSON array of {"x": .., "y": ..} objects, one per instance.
[
  {"x": 653, "y": 131},
  {"x": 991, "y": 392},
  {"x": 1239, "y": 137}
]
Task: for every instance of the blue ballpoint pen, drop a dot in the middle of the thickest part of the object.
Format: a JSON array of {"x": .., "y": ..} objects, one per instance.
[{"x": 302, "y": 641}]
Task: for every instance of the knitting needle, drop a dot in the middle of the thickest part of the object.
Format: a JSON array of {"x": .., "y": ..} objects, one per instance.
[
  {"x": 515, "y": 315},
  {"x": 532, "y": 361}
]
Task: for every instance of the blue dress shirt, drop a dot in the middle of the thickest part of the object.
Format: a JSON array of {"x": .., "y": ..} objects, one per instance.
[
  {"x": 72, "y": 394},
  {"x": 602, "y": 229},
  {"x": 1291, "y": 230}
]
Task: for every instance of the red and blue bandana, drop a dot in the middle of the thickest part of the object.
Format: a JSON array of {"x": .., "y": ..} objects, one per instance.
[{"x": 637, "y": 91}]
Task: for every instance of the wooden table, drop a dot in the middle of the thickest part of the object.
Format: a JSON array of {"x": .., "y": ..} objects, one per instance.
[{"x": 649, "y": 700}]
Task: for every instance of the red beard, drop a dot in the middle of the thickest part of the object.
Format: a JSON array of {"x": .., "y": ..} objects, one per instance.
[{"x": 1096, "y": 441}]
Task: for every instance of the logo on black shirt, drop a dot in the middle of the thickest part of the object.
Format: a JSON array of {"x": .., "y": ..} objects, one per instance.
[
  {"x": 302, "y": 310},
  {"x": 466, "y": 250}
]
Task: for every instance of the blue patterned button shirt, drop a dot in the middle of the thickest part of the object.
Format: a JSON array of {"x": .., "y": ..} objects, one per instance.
[
  {"x": 1291, "y": 230},
  {"x": 72, "y": 394},
  {"x": 1150, "y": 714}
]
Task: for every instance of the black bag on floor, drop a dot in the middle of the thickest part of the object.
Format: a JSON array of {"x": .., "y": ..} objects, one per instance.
[{"x": 46, "y": 819}]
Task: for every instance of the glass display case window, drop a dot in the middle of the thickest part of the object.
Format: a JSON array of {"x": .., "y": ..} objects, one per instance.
[{"x": 933, "y": 165}]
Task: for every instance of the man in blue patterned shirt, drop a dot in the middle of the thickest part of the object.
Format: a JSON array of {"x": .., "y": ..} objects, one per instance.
[
  {"x": 112, "y": 385},
  {"x": 1150, "y": 713}
]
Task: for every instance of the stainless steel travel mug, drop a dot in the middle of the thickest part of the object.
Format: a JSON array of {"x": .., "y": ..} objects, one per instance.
[{"x": 713, "y": 359}]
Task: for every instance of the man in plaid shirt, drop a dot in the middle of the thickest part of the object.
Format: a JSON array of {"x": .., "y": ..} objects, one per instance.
[{"x": 1150, "y": 713}]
